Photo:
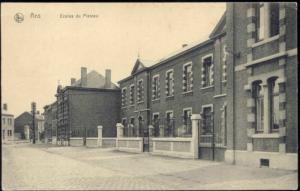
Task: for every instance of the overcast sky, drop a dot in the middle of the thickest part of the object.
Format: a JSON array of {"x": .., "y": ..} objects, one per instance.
[{"x": 38, "y": 52}]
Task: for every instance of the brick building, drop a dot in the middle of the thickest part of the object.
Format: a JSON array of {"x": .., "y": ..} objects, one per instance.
[
  {"x": 262, "y": 100},
  {"x": 242, "y": 81},
  {"x": 50, "y": 112},
  {"x": 164, "y": 94},
  {"x": 7, "y": 125},
  {"x": 90, "y": 101}
]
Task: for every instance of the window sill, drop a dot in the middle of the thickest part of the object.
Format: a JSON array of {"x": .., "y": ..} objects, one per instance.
[
  {"x": 170, "y": 97},
  {"x": 207, "y": 87},
  {"x": 265, "y": 135},
  {"x": 156, "y": 100},
  {"x": 220, "y": 95},
  {"x": 187, "y": 93},
  {"x": 270, "y": 39},
  {"x": 140, "y": 102}
]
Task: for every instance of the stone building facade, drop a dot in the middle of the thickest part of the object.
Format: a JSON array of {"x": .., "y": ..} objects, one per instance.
[{"x": 263, "y": 125}]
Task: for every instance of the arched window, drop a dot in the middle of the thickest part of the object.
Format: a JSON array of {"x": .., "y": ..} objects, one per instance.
[
  {"x": 273, "y": 88},
  {"x": 257, "y": 93}
]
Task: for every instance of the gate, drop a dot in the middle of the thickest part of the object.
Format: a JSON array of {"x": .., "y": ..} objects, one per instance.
[{"x": 212, "y": 137}]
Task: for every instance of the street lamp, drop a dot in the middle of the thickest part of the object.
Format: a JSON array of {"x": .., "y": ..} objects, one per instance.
[{"x": 33, "y": 109}]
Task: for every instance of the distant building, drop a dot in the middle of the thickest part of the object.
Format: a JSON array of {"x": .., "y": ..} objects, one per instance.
[
  {"x": 7, "y": 127},
  {"x": 24, "y": 127},
  {"x": 50, "y": 113},
  {"x": 90, "y": 101}
]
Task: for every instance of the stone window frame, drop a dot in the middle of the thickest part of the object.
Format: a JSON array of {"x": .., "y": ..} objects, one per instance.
[
  {"x": 204, "y": 72},
  {"x": 267, "y": 28},
  {"x": 184, "y": 81},
  {"x": 224, "y": 64},
  {"x": 131, "y": 94},
  {"x": 140, "y": 90},
  {"x": 155, "y": 91},
  {"x": 279, "y": 74},
  {"x": 169, "y": 90},
  {"x": 124, "y": 97}
]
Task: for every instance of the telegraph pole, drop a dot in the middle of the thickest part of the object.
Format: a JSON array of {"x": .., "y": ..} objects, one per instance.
[{"x": 33, "y": 108}]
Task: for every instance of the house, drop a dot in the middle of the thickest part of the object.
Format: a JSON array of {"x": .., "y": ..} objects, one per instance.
[
  {"x": 24, "y": 126},
  {"x": 7, "y": 126},
  {"x": 90, "y": 101}
]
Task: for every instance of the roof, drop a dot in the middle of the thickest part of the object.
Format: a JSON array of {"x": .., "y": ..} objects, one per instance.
[
  {"x": 141, "y": 65},
  {"x": 219, "y": 29},
  {"x": 37, "y": 116},
  {"x": 95, "y": 80}
]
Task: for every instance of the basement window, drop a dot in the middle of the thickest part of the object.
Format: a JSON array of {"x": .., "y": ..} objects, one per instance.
[{"x": 264, "y": 163}]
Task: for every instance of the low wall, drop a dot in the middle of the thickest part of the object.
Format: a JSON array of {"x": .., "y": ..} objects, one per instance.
[
  {"x": 109, "y": 142},
  {"x": 173, "y": 146},
  {"x": 287, "y": 161},
  {"x": 92, "y": 142},
  {"x": 76, "y": 141},
  {"x": 130, "y": 144}
]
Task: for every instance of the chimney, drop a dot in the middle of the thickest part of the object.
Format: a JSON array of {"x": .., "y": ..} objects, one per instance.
[
  {"x": 184, "y": 45},
  {"x": 107, "y": 78},
  {"x": 83, "y": 77},
  {"x": 5, "y": 106},
  {"x": 73, "y": 80}
]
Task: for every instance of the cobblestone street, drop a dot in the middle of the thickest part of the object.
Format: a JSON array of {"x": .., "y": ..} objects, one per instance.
[{"x": 31, "y": 167}]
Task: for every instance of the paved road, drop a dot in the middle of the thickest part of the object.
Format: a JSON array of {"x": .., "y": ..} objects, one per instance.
[{"x": 31, "y": 167}]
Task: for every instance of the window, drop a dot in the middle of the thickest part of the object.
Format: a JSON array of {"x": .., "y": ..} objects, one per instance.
[
  {"x": 3, "y": 121},
  {"x": 124, "y": 97},
  {"x": 140, "y": 90},
  {"x": 131, "y": 128},
  {"x": 274, "y": 104},
  {"x": 207, "y": 120},
  {"x": 187, "y": 77},
  {"x": 155, "y": 87},
  {"x": 258, "y": 96},
  {"x": 187, "y": 123},
  {"x": 155, "y": 123},
  {"x": 267, "y": 22},
  {"x": 131, "y": 94},
  {"x": 169, "y": 83},
  {"x": 207, "y": 75},
  {"x": 169, "y": 130}
]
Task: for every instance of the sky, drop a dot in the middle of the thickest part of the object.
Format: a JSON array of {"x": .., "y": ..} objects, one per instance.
[{"x": 48, "y": 47}]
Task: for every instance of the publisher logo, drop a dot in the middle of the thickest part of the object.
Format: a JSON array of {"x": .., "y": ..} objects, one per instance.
[{"x": 19, "y": 17}]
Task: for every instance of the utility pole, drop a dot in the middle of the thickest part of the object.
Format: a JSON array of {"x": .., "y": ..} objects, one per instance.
[{"x": 33, "y": 108}]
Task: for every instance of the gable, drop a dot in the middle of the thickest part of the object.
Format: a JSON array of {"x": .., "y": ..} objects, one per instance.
[
  {"x": 137, "y": 67},
  {"x": 220, "y": 27}
]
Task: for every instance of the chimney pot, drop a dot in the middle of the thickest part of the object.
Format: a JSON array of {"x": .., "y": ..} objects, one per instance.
[
  {"x": 83, "y": 76},
  {"x": 107, "y": 78},
  {"x": 5, "y": 106}
]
